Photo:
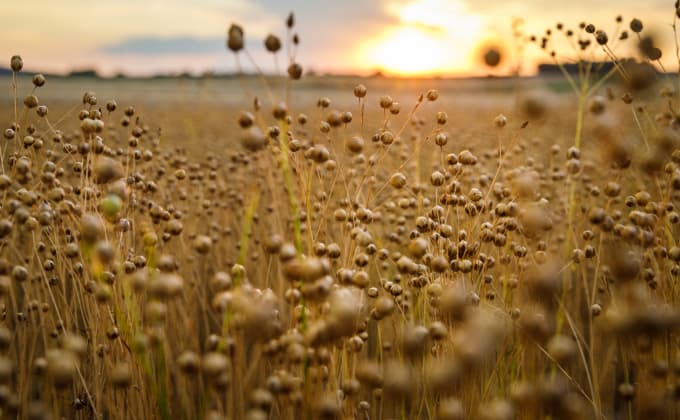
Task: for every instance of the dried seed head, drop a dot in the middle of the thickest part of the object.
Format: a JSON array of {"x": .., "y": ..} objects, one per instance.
[
  {"x": 121, "y": 375},
  {"x": 383, "y": 307},
  {"x": 636, "y": 25},
  {"x": 61, "y": 366},
  {"x": 307, "y": 270},
  {"x": 624, "y": 266},
  {"x": 327, "y": 407},
  {"x": 562, "y": 348},
  {"x": 414, "y": 340},
  {"x": 213, "y": 364},
  {"x": 399, "y": 381},
  {"x": 432, "y": 95},
  {"x": 385, "y": 101},
  {"x": 544, "y": 282},
  {"x": 451, "y": 409},
  {"x": 601, "y": 37},
  {"x": 235, "y": 38},
  {"x": 245, "y": 119},
  {"x": 31, "y": 101},
  {"x": 500, "y": 121},
  {"x": 165, "y": 286},
  {"x": 626, "y": 391},
  {"x": 497, "y": 409},
  {"x": 596, "y": 309},
  {"x": 386, "y": 137},
  {"x": 418, "y": 247},
  {"x": 16, "y": 63},
  {"x": 534, "y": 220},
  {"x": 107, "y": 170},
  {"x": 6, "y": 369},
  {"x": 253, "y": 139},
  {"x": 360, "y": 91},
  {"x": 597, "y": 105},
  {"x": 38, "y": 80},
  {"x": 91, "y": 228},
  {"x": 272, "y": 43},
  {"x": 453, "y": 302},
  {"x": 525, "y": 185},
  {"x": 492, "y": 57},
  {"x": 189, "y": 362},
  {"x": 273, "y": 244},
  {"x": 355, "y": 144},
  {"x": 369, "y": 374},
  {"x": 295, "y": 71},
  {"x": 467, "y": 158}
]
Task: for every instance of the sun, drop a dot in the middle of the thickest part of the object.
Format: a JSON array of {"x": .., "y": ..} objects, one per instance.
[
  {"x": 408, "y": 51},
  {"x": 432, "y": 37}
]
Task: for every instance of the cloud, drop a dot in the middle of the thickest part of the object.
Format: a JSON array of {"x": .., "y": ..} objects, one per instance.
[{"x": 164, "y": 46}]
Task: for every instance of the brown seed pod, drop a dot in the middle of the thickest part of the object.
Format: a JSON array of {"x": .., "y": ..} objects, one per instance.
[
  {"x": 31, "y": 101},
  {"x": 272, "y": 43},
  {"x": 636, "y": 25},
  {"x": 414, "y": 340},
  {"x": 360, "y": 91},
  {"x": 355, "y": 144},
  {"x": 107, "y": 169},
  {"x": 38, "y": 80},
  {"x": 189, "y": 362},
  {"x": 534, "y": 220},
  {"x": 295, "y": 71},
  {"x": 544, "y": 282},
  {"x": 253, "y": 139},
  {"x": 307, "y": 270},
  {"x": 16, "y": 63},
  {"x": 213, "y": 364},
  {"x": 492, "y": 57},
  {"x": 369, "y": 374},
  {"x": 91, "y": 228},
  {"x": 165, "y": 286},
  {"x": 61, "y": 367},
  {"x": 235, "y": 38},
  {"x": 385, "y": 101},
  {"x": 432, "y": 95},
  {"x": 121, "y": 375},
  {"x": 398, "y": 380},
  {"x": 451, "y": 409}
]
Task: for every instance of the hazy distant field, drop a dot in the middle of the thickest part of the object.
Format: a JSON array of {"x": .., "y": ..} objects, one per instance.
[
  {"x": 200, "y": 109},
  {"x": 230, "y": 91}
]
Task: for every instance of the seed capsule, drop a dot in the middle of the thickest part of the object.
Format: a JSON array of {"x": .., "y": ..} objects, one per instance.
[
  {"x": 272, "y": 43},
  {"x": 235, "y": 38},
  {"x": 16, "y": 63},
  {"x": 295, "y": 71}
]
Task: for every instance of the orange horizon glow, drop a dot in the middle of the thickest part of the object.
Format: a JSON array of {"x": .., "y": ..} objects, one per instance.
[
  {"x": 432, "y": 38},
  {"x": 398, "y": 38}
]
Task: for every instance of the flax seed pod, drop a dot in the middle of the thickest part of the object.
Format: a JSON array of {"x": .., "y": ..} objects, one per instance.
[
  {"x": 272, "y": 43},
  {"x": 295, "y": 71},
  {"x": 235, "y": 38},
  {"x": 16, "y": 63}
]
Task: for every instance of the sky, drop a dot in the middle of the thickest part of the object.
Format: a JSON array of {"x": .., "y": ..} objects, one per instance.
[{"x": 396, "y": 37}]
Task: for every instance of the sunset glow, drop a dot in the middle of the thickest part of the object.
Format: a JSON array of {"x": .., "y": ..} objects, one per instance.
[
  {"x": 396, "y": 37},
  {"x": 408, "y": 51},
  {"x": 432, "y": 37}
]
